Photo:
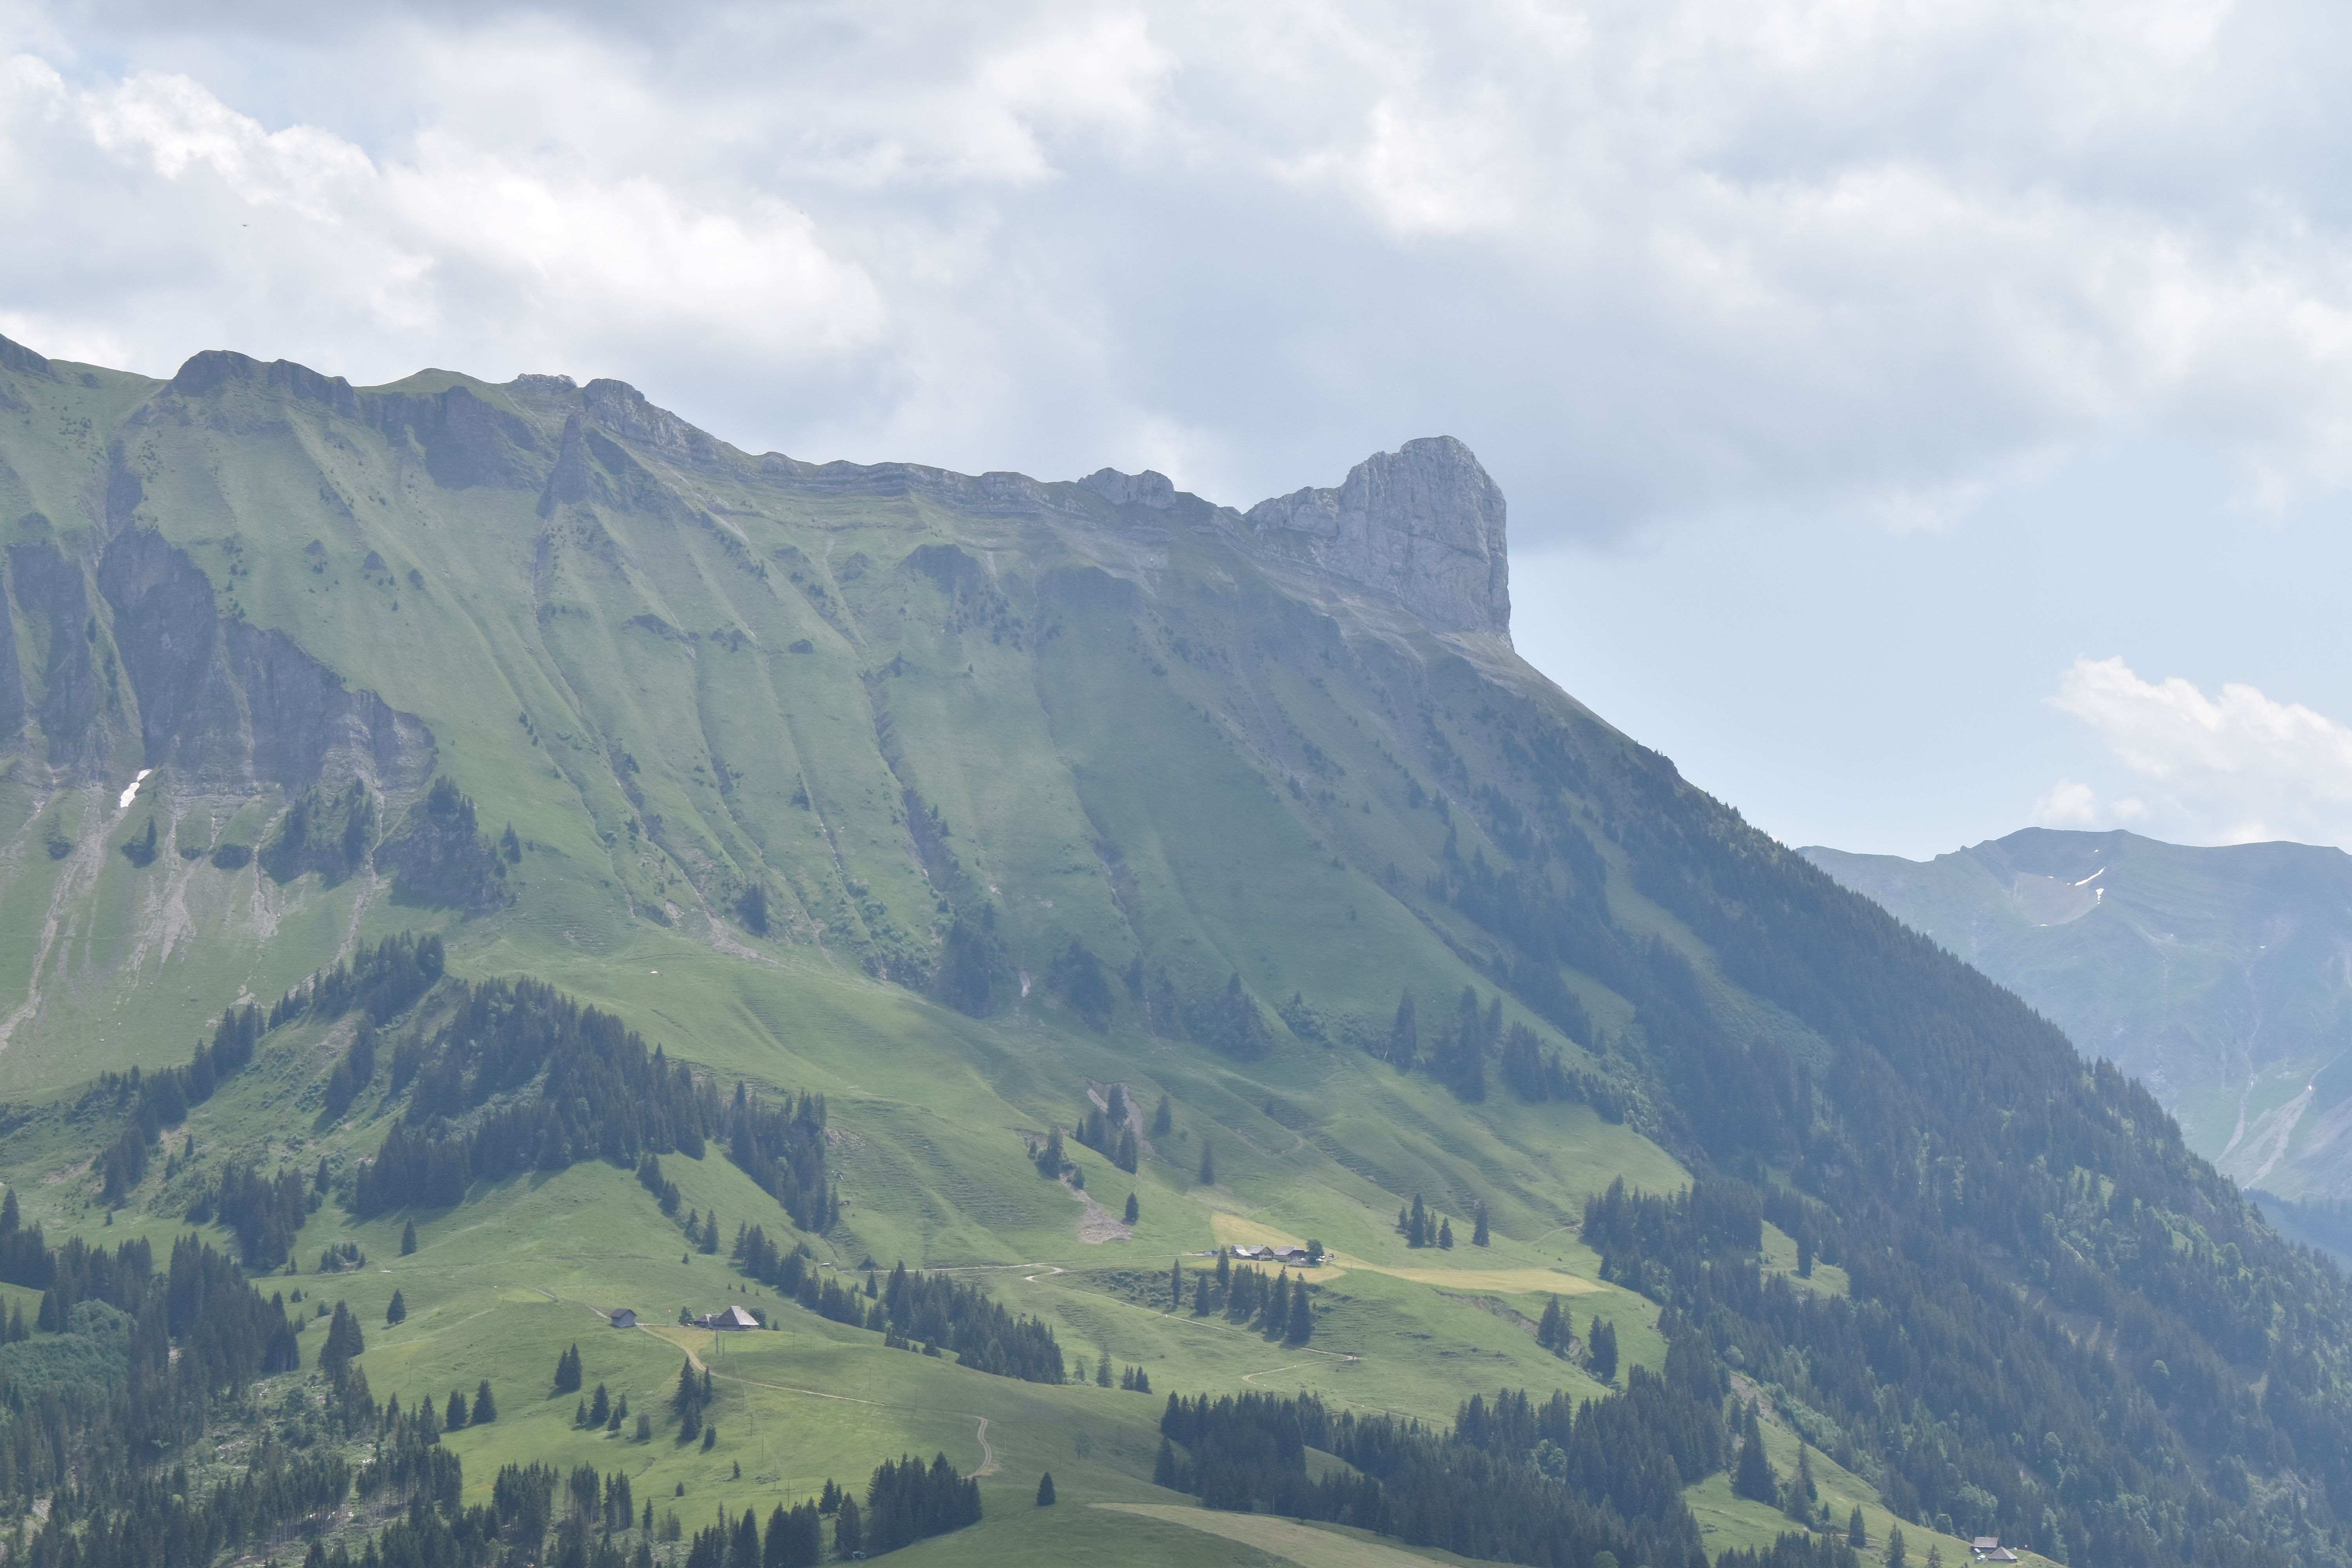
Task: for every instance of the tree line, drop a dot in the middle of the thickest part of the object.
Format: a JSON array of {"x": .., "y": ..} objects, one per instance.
[
  {"x": 1514, "y": 1479},
  {"x": 521, "y": 1076},
  {"x": 933, "y": 1310},
  {"x": 1279, "y": 1309},
  {"x": 1981, "y": 1186}
]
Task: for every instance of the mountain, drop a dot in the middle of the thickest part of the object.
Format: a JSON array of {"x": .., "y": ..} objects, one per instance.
[
  {"x": 467, "y": 845},
  {"x": 2221, "y": 977}
]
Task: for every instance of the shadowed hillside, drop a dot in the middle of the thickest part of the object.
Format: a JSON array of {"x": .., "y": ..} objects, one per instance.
[{"x": 2220, "y": 976}]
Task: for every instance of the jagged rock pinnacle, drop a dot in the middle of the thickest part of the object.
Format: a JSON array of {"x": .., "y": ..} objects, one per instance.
[{"x": 1423, "y": 523}]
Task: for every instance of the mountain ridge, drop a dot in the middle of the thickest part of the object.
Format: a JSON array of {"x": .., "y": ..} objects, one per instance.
[
  {"x": 2221, "y": 975},
  {"x": 941, "y": 802}
]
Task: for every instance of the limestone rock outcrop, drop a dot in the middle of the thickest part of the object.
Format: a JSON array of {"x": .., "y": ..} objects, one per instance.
[{"x": 1423, "y": 523}]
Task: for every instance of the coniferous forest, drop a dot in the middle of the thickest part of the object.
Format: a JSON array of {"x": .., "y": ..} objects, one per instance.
[{"x": 1515, "y": 1480}]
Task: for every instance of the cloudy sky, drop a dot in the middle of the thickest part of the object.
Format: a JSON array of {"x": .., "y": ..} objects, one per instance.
[{"x": 1919, "y": 420}]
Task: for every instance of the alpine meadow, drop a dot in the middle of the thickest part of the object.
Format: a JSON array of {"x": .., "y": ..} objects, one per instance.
[{"x": 572, "y": 994}]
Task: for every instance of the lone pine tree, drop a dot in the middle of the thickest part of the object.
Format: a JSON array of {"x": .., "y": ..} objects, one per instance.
[
  {"x": 1801, "y": 1495},
  {"x": 343, "y": 1342},
  {"x": 1753, "y": 1479},
  {"x": 1601, "y": 1350},
  {"x": 1549, "y": 1333},
  {"x": 1404, "y": 1036}
]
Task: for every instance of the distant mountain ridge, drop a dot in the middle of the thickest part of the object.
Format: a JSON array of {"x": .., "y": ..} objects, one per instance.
[{"x": 2222, "y": 977}]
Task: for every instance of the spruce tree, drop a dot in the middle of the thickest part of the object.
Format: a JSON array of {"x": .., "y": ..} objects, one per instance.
[
  {"x": 1404, "y": 1036},
  {"x": 848, "y": 1531},
  {"x": 600, "y": 1407},
  {"x": 1208, "y": 1164},
  {"x": 1164, "y": 1117},
  {"x": 1301, "y": 1327},
  {"x": 1478, "y": 1237},
  {"x": 1601, "y": 1350},
  {"x": 397, "y": 1312},
  {"x": 486, "y": 1410},
  {"x": 1445, "y": 1235},
  {"x": 1417, "y": 1228},
  {"x": 11, "y": 1217},
  {"x": 1857, "y": 1534},
  {"x": 456, "y": 1414},
  {"x": 1176, "y": 1285},
  {"x": 567, "y": 1371},
  {"x": 1804, "y": 1255},
  {"x": 1046, "y": 1490},
  {"x": 343, "y": 1342},
  {"x": 1754, "y": 1479},
  {"x": 1134, "y": 1209},
  {"x": 1102, "y": 1370},
  {"x": 1274, "y": 1314},
  {"x": 1799, "y": 1505},
  {"x": 1895, "y": 1546},
  {"x": 1201, "y": 1302},
  {"x": 1547, "y": 1332}
]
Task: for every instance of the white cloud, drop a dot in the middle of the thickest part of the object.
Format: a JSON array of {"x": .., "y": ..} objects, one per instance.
[
  {"x": 1652, "y": 261},
  {"x": 2235, "y": 768}
]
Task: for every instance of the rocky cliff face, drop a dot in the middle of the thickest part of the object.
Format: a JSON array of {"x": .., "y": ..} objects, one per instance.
[
  {"x": 1423, "y": 523},
  {"x": 230, "y": 705}
]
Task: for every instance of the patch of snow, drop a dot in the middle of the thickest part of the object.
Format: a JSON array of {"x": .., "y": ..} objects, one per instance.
[{"x": 133, "y": 792}]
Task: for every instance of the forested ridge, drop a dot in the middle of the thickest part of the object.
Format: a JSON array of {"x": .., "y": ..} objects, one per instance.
[
  {"x": 912, "y": 1310},
  {"x": 1517, "y": 1479},
  {"x": 125, "y": 1365},
  {"x": 2064, "y": 1328}
]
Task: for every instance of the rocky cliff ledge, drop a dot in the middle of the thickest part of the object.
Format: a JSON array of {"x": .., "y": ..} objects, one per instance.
[{"x": 1423, "y": 523}]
